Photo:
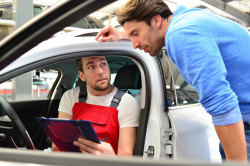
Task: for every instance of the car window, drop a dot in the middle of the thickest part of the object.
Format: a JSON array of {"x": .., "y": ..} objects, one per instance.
[
  {"x": 36, "y": 11},
  {"x": 6, "y": 12},
  {"x": 178, "y": 90},
  {"x": 88, "y": 23},
  {"x": 115, "y": 64},
  {"x": 39, "y": 86}
]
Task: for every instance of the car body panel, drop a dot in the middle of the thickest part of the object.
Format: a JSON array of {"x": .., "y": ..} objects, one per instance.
[
  {"x": 194, "y": 119},
  {"x": 75, "y": 159}
]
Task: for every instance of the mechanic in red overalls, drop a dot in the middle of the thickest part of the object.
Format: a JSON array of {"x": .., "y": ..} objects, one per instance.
[{"x": 101, "y": 103}]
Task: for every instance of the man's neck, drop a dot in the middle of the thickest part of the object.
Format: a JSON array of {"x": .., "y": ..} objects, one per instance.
[
  {"x": 166, "y": 23},
  {"x": 94, "y": 92}
]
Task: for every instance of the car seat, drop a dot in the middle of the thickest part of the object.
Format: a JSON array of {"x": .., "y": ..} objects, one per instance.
[{"x": 128, "y": 78}]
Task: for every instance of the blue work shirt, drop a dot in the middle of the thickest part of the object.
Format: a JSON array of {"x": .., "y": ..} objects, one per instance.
[{"x": 213, "y": 55}]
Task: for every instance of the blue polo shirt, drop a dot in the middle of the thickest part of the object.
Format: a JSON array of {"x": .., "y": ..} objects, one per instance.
[{"x": 213, "y": 55}]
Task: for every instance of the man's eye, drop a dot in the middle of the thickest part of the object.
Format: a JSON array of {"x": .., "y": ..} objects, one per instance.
[
  {"x": 91, "y": 67},
  {"x": 135, "y": 34},
  {"x": 104, "y": 64}
]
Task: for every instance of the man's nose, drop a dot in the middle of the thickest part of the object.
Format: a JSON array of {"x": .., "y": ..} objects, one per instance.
[
  {"x": 100, "y": 70},
  {"x": 135, "y": 44}
]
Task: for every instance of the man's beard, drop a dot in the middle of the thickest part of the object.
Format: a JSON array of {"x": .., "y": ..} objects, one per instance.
[
  {"x": 101, "y": 88},
  {"x": 156, "y": 52}
]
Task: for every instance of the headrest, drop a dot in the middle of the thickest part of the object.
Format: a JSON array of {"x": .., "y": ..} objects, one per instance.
[
  {"x": 80, "y": 83},
  {"x": 128, "y": 77}
]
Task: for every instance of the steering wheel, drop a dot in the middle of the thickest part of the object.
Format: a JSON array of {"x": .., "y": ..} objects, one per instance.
[{"x": 18, "y": 125}]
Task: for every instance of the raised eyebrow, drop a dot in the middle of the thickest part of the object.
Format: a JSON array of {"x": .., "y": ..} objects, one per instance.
[
  {"x": 103, "y": 59},
  {"x": 89, "y": 63}
]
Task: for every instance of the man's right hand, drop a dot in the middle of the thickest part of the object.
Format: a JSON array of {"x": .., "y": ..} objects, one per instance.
[
  {"x": 109, "y": 33},
  {"x": 89, "y": 147}
]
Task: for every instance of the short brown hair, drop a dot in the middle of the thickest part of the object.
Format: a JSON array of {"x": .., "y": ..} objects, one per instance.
[
  {"x": 79, "y": 64},
  {"x": 142, "y": 10}
]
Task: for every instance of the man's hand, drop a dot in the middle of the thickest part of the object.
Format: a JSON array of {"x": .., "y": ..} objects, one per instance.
[
  {"x": 89, "y": 147},
  {"x": 109, "y": 33},
  {"x": 54, "y": 147}
]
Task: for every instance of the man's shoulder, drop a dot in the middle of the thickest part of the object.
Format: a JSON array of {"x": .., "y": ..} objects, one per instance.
[
  {"x": 73, "y": 91},
  {"x": 128, "y": 98}
]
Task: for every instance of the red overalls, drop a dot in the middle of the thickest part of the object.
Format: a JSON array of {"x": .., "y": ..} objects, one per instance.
[{"x": 104, "y": 119}]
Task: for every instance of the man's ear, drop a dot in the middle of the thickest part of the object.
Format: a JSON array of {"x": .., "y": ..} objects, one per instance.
[
  {"x": 81, "y": 76},
  {"x": 156, "y": 21}
]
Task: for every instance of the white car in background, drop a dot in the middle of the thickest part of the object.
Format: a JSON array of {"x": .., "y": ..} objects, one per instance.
[{"x": 173, "y": 126}]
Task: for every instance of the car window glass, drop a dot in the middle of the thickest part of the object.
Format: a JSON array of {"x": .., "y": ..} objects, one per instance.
[
  {"x": 39, "y": 86},
  {"x": 178, "y": 87},
  {"x": 171, "y": 94},
  {"x": 36, "y": 11},
  {"x": 83, "y": 23},
  {"x": 88, "y": 23},
  {"x": 6, "y": 12}
]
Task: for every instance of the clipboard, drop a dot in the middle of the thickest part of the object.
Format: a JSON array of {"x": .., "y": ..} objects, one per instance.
[{"x": 63, "y": 132}]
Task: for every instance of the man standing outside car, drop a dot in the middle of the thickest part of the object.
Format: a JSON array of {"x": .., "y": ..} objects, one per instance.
[
  {"x": 114, "y": 122},
  {"x": 211, "y": 53}
]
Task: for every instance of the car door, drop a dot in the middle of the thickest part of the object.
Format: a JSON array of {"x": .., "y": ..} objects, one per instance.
[
  {"x": 31, "y": 99},
  {"x": 195, "y": 136}
]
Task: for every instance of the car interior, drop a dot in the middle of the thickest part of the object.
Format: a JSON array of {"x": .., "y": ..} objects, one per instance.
[{"x": 124, "y": 74}]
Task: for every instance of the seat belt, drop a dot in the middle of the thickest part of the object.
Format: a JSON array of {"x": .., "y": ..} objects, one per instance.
[
  {"x": 117, "y": 98},
  {"x": 83, "y": 95}
]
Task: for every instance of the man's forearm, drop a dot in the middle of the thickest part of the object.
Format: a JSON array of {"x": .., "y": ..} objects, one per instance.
[
  {"x": 233, "y": 140},
  {"x": 127, "y": 139}
]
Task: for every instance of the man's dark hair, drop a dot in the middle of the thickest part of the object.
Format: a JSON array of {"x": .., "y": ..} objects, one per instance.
[
  {"x": 142, "y": 10},
  {"x": 79, "y": 64}
]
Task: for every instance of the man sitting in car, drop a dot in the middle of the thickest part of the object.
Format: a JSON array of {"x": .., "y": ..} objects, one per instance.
[{"x": 114, "y": 122}]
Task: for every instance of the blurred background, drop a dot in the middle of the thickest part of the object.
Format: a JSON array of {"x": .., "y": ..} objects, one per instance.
[{"x": 14, "y": 13}]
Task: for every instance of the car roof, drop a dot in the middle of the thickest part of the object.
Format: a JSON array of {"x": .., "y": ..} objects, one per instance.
[{"x": 77, "y": 40}]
